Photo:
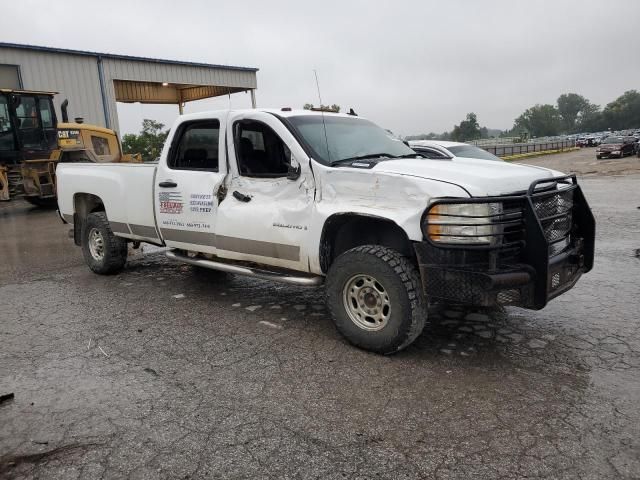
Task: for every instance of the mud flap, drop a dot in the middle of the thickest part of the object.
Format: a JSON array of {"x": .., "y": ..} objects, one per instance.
[{"x": 77, "y": 230}]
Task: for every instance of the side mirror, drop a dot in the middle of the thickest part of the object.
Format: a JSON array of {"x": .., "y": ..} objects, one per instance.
[{"x": 15, "y": 100}]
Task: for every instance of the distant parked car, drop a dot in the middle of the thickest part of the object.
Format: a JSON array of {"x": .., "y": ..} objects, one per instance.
[
  {"x": 616, "y": 146},
  {"x": 587, "y": 141}
]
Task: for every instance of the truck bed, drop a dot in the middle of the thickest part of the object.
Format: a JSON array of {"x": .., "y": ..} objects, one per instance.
[{"x": 126, "y": 190}]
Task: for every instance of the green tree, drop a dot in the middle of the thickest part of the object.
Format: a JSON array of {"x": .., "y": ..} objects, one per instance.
[
  {"x": 623, "y": 112},
  {"x": 468, "y": 129},
  {"x": 569, "y": 107},
  {"x": 539, "y": 121},
  {"x": 590, "y": 119},
  {"x": 327, "y": 108},
  {"x": 148, "y": 143}
]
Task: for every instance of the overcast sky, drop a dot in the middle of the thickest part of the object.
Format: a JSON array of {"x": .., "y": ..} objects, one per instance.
[{"x": 410, "y": 66}]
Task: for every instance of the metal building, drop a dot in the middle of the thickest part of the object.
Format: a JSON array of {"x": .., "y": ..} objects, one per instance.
[{"x": 94, "y": 82}]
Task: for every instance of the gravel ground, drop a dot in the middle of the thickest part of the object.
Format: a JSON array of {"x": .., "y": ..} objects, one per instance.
[
  {"x": 168, "y": 372},
  {"x": 584, "y": 162}
]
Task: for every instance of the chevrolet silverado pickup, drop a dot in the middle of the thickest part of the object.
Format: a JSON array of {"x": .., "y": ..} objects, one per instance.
[{"x": 312, "y": 198}]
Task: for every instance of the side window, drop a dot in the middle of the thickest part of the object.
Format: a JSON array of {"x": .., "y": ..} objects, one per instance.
[
  {"x": 100, "y": 145},
  {"x": 197, "y": 147},
  {"x": 6, "y": 136},
  {"x": 46, "y": 109},
  {"x": 27, "y": 113},
  {"x": 5, "y": 122},
  {"x": 261, "y": 152}
]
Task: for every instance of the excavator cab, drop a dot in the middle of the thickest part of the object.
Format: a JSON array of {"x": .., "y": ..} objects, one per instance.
[
  {"x": 33, "y": 142},
  {"x": 28, "y": 131}
]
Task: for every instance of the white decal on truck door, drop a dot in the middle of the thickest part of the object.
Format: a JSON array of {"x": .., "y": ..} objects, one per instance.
[{"x": 201, "y": 202}]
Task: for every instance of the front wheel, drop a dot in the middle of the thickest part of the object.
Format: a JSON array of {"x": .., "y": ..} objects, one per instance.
[
  {"x": 103, "y": 251},
  {"x": 375, "y": 297}
]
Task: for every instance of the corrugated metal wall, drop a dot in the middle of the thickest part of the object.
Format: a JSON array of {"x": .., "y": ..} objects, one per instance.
[{"x": 76, "y": 78}]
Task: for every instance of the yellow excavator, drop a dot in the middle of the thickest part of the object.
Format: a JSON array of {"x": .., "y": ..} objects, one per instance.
[{"x": 32, "y": 143}]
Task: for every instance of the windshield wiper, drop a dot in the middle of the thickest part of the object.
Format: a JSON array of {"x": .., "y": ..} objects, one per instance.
[{"x": 363, "y": 157}]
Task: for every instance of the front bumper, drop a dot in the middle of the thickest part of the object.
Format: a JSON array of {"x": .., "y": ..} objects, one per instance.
[
  {"x": 526, "y": 269},
  {"x": 609, "y": 153}
]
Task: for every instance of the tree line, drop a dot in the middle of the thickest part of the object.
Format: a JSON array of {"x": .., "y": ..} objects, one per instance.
[{"x": 572, "y": 113}]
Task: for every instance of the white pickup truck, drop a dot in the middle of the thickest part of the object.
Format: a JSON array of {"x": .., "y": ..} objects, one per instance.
[{"x": 311, "y": 197}]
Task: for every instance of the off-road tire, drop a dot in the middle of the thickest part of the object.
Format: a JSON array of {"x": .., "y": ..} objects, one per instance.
[
  {"x": 114, "y": 248},
  {"x": 400, "y": 278}
]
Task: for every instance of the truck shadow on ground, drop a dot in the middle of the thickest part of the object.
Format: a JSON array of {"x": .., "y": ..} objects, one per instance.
[{"x": 455, "y": 332}]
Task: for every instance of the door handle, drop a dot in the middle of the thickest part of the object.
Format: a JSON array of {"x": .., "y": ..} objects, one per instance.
[
  {"x": 168, "y": 184},
  {"x": 242, "y": 197}
]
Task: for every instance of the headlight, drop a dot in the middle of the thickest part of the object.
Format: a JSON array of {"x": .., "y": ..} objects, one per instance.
[{"x": 469, "y": 223}]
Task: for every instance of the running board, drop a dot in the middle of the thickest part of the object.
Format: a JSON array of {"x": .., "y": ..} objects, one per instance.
[{"x": 276, "y": 276}]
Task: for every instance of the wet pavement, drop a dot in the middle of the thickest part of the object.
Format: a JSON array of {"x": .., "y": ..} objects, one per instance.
[
  {"x": 164, "y": 371},
  {"x": 584, "y": 162}
]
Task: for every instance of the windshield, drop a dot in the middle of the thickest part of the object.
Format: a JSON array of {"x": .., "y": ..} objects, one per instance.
[
  {"x": 346, "y": 138},
  {"x": 613, "y": 140},
  {"x": 469, "y": 151}
]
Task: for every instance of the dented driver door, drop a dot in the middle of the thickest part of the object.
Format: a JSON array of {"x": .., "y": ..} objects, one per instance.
[
  {"x": 188, "y": 183},
  {"x": 265, "y": 215}
]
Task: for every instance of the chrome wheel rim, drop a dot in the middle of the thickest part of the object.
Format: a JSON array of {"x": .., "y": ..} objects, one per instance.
[
  {"x": 96, "y": 244},
  {"x": 367, "y": 302}
]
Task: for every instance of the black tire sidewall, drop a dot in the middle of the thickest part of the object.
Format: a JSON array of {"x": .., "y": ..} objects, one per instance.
[
  {"x": 115, "y": 248},
  {"x": 390, "y": 338}
]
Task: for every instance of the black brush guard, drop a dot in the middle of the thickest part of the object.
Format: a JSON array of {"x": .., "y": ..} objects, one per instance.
[{"x": 545, "y": 242}]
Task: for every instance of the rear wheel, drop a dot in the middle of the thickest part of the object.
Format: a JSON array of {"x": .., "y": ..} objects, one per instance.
[
  {"x": 103, "y": 251},
  {"x": 375, "y": 297}
]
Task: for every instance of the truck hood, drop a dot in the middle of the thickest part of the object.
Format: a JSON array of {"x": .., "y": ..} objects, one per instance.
[{"x": 478, "y": 177}]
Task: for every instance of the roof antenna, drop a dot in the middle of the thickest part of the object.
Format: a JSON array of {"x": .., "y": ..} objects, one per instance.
[{"x": 324, "y": 125}]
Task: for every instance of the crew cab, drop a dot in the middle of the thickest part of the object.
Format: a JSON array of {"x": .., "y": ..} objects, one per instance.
[{"x": 308, "y": 198}]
